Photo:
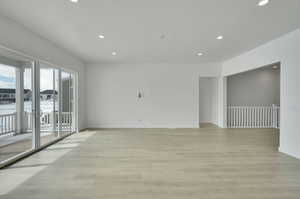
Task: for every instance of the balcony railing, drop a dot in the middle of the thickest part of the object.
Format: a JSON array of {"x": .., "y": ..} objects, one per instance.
[
  {"x": 253, "y": 116},
  {"x": 8, "y": 122}
]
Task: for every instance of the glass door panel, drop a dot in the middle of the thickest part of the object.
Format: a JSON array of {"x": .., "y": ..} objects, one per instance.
[
  {"x": 48, "y": 104},
  {"x": 15, "y": 105},
  {"x": 66, "y": 103}
]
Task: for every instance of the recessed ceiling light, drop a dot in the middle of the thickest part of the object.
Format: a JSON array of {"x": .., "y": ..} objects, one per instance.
[
  {"x": 263, "y": 2},
  {"x": 275, "y": 67},
  {"x": 101, "y": 36},
  {"x": 114, "y": 53},
  {"x": 199, "y": 54},
  {"x": 220, "y": 37},
  {"x": 74, "y": 1}
]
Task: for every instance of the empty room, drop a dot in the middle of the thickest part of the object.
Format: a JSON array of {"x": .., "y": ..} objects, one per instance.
[{"x": 165, "y": 99}]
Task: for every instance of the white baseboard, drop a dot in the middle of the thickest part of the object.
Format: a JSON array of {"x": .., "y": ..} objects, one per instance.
[
  {"x": 149, "y": 126},
  {"x": 294, "y": 155}
]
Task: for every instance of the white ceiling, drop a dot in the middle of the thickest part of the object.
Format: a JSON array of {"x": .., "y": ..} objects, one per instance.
[{"x": 133, "y": 28}]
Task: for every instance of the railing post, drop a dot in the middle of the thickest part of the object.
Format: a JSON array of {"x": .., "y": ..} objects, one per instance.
[{"x": 15, "y": 121}]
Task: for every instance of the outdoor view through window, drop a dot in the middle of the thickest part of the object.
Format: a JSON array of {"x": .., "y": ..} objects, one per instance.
[
  {"x": 7, "y": 90},
  {"x": 56, "y": 106}
]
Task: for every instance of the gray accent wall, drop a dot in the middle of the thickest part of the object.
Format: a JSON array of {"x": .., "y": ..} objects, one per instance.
[{"x": 260, "y": 87}]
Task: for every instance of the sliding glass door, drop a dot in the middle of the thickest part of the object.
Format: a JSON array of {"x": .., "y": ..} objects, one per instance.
[{"x": 37, "y": 105}]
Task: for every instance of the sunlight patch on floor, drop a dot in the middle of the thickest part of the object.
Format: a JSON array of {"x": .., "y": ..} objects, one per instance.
[{"x": 19, "y": 173}]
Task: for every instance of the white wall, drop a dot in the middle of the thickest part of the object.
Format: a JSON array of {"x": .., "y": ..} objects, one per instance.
[
  {"x": 170, "y": 95},
  {"x": 15, "y": 36},
  {"x": 215, "y": 100},
  {"x": 260, "y": 87},
  {"x": 286, "y": 50},
  {"x": 222, "y": 101},
  {"x": 208, "y": 100}
]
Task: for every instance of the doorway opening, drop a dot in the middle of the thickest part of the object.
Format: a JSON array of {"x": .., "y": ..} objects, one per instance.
[{"x": 208, "y": 102}]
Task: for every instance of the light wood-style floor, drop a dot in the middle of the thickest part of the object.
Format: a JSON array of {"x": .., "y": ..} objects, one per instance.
[{"x": 168, "y": 164}]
